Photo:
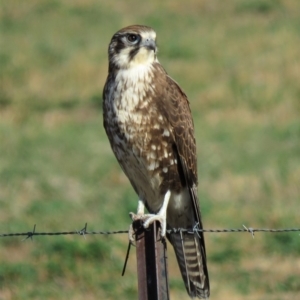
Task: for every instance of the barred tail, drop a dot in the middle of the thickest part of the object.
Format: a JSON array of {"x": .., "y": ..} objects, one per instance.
[{"x": 190, "y": 253}]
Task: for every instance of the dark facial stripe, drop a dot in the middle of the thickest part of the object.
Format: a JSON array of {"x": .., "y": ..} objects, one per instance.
[
  {"x": 133, "y": 52},
  {"x": 118, "y": 44}
]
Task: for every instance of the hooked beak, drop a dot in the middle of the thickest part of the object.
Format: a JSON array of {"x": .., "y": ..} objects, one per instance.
[{"x": 149, "y": 44}]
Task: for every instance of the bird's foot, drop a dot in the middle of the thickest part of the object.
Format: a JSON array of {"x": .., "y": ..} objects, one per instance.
[
  {"x": 131, "y": 232},
  {"x": 147, "y": 220},
  {"x": 160, "y": 218}
]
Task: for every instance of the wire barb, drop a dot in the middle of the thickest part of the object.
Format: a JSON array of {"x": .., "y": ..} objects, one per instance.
[
  {"x": 196, "y": 230},
  {"x": 83, "y": 231},
  {"x": 30, "y": 234},
  {"x": 250, "y": 229}
]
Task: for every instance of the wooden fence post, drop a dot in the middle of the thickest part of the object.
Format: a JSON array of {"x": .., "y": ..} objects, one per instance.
[{"x": 151, "y": 252}]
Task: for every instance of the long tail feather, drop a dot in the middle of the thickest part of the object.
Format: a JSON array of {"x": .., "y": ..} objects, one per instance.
[{"x": 191, "y": 258}]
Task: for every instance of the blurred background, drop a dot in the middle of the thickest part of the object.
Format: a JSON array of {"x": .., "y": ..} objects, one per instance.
[{"x": 239, "y": 63}]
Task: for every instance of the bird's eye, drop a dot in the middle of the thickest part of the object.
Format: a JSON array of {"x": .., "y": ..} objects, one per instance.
[{"x": 133, "y": 38}]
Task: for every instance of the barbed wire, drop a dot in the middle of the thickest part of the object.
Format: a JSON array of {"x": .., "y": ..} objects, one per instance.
[{"x": 196, "y": 229}]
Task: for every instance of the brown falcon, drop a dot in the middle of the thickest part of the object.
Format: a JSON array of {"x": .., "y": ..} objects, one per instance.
[{"x": 148, "y": 121}]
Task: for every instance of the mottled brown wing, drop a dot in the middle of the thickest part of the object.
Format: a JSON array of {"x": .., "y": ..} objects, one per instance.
[
  {"x": 177, "y": 110},
  {"x": 179, "y": 116},
  {"x": 189, "y": 249}
]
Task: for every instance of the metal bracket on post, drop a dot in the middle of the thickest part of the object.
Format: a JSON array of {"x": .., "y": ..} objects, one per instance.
[{"x": 151, "y": 252}]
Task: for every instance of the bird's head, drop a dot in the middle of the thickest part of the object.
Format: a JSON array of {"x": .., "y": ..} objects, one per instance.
[{"x": 132, "y": 46}]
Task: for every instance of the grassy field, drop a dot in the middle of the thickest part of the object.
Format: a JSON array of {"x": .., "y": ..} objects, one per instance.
[{"x": 239, "y": 63}]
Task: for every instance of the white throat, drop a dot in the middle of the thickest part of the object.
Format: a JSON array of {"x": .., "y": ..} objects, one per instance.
[{"x": 133, "y": 83}]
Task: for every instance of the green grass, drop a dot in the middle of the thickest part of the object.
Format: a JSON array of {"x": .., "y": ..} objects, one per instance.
[{"x": 238, "y": 61}]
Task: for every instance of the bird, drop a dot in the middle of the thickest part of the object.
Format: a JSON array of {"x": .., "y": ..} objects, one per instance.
[{"x": 148, "y": 121}]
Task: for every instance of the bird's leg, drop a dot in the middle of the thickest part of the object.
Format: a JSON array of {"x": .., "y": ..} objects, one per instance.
[
  {"x": 141, "y": 208},
  {"x": 140, "y": 211},
  {"x": 161, "y": 216},
  {"x": 148, "y": 219}
]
